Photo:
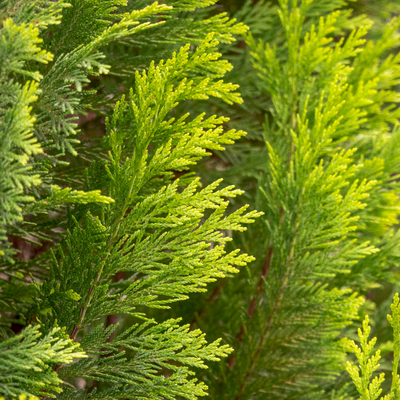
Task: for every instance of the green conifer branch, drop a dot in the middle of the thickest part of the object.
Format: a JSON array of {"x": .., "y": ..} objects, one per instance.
[
  {"x": 306, "y": 99},
  {"x": 127, "y": 212},
  {"x": 26, "y": 361},
  {"x": 362, "y": 374},
  {"x": 123, "y": 226}
]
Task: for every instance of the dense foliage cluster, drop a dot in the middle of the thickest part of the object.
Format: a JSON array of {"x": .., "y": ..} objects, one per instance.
[{"x": 196, "y": 202}]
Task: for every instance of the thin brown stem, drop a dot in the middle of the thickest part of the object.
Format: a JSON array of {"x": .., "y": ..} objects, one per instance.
[
  {"x": 86, "y": 304},
  {"x": 267, "y": 328},
  {"x": 276, "y": 306},
  {"x": 252, "y": 305},
  {"x": 210, "y": 298},
  {"x": 113, "y": 319},
  {"x": 78, "y": 325}
]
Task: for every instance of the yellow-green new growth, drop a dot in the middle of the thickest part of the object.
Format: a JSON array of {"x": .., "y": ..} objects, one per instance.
[
  {"x": 128, "y": 212},
  {"x": 394, "y": 321},
  {"x": 368, "y": 364},
  {"x": 23, "y": 397},
  {"x": 27, "y": 361}
]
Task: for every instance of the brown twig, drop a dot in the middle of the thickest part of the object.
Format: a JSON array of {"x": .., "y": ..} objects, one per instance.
[
  {"x": 210, "y": 298},
  {"x": 252, "y": 306},
  {"x": 275, "y": 309}
]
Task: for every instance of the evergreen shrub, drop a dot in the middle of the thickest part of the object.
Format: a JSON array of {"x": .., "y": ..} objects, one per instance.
[{"x": 146, "y": 255}]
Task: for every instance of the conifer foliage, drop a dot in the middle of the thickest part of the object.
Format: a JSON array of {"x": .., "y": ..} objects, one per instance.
[
  {"x": 115, "y": 220},
  {"x": 135, "y": 212},
  {"x": 321, "y": 161}
]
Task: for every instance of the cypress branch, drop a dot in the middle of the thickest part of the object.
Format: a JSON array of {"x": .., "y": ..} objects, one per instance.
[{"x": 129, "y": 188}]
